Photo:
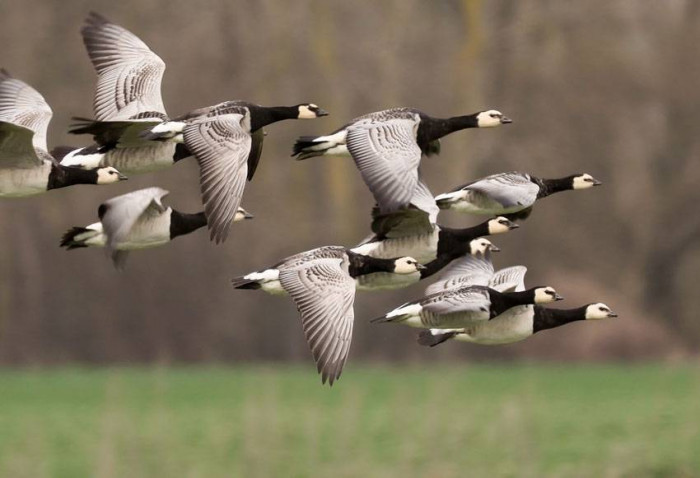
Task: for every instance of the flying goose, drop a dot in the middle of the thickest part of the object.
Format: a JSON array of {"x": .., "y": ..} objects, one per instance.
[
  {"x": 387, "y": 147},
  {"x": 320, "y": 282},
  {"x": 26, "y": 167},
  {"x": 137, "y": 220},
  {"x": 510, "y": 193},
  {"x": 515, "y": 325},
  {"x": 459, "y": 308},
  {"x": 131, "y": 128}
]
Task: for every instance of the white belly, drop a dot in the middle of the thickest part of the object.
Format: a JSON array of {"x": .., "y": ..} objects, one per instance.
[
  {"x": 142, "y": 159},
  {"x": 152, "y": 233},
  {"x": 514, "y": 325},
  {"x": 422, "y": 247},
  {"x": 24, "y": 182}
]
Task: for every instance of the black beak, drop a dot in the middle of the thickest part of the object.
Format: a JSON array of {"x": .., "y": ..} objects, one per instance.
[
  {"x": 494, "y": 248},
  {"x": 558, "y": 297},
  {"x": 122, "y": 177},
  {"x": 247, "y": 215},
  {"x": 612, "y": 314},
  {"x": 596, "y": 182},
  {"x": 505, "y": 120},
  {"x": 420, "y": 267},
  {"x": 321, "y": 112},
  {"x": 513, "y": 225}
]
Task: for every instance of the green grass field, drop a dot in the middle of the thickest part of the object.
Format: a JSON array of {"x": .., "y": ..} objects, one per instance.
[{"x": 468, "y": 421}]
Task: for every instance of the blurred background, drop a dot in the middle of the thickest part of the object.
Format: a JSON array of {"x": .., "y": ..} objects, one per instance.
[{"x": 603, "y": 87}]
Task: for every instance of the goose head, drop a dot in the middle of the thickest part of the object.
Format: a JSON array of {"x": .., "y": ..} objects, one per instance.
[
  {"x": 598, "y": 311},
  {"x": 310, "y": 111},
  {"x": 584, "y": 181},
  {"x": 109, "y": 175},
  {"x": 482, "y": 245},
  {"x": 546, "y": 295},
  {"x": 500, "y": 224},
  {"x": 407, "y": 265},
  {"x": 491, "y": 119},
  {"x": 242, "y": 214}
]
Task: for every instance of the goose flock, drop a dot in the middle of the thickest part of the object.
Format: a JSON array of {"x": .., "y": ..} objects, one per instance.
[{"x": 133, "y": 134}]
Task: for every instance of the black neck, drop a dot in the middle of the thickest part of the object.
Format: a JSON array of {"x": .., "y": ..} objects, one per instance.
[
  {"x": 183, "y": 223},
  {"x": 436, "y": 265},
  {"x": 455, "y": 242},
  {"x": 431, "y": 129},
  {"x": 500, "y": 302},
  {"x": 262, "y": 116},
  {"x": 550, "y": 318},
  {"x": 62, "y": 176},
  {"x": 551, "y": 186},
  {"x": 361, "y": 264}
]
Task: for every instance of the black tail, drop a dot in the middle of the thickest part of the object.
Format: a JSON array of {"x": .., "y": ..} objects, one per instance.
[
  {"x": 242, "y": 283},
  {"x": 428, "y": 339},
  {"x": 68, "y": 240},
  {"x": 302, "y": 148}
]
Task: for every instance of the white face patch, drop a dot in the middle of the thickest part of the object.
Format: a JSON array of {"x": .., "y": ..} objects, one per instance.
[
  {"x": 489, "y": 119},
  {"x": 599, "y": 311},
  {"x": 545, "y": 295},
  {"x": 108, "y": 175},
  {"x": 499, "y": 225},
  {"x": 306, "y": 113},
  {"x": 241, "y": 214},
  {"x": 480, "y": 246},
  {"x": 405, "y": 265},
  {"x": 584, "y": 181}
]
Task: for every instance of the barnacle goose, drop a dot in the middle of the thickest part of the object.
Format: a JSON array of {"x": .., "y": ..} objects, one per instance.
[
  {"x": 131, "y": 128},
  {"x": 387, "y": 147},
  {"x": 137, "y": 220},
  {"x": 463, "y": 306},
  {"x": 320, "y": 282},
  {"x": 26, "y": 168},
  {"x": 511, "y": 193}
]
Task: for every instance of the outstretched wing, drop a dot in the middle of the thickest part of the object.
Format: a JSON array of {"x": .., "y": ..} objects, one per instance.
[
  {"x": 324, "y": 294},
  {"x": 387, "y": 155},
  {"x": 129, "y": 74},
  {"x": 221, "y": 145},
  {"x": 508, "y": 189},
  {"x": 16, "y": 148},
  {"x": 472, "y": 300},
  {"x": 24, "y": 106},
  {"x": 464, "y": 271},
  {"x": 509, "y": 279},
  {"x": 118, "y": 215}
]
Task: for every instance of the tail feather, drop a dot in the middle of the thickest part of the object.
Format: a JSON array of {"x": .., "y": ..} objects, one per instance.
[
  {"x": 305, "y": 147},
  {"x": 429, "y": 338},
  {"x": 385, "y": 319},
  {"x": 70, "y": 239},
  {"x": 243, "y": 283}
]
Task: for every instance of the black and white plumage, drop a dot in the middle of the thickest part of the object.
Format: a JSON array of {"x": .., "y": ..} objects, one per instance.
[
  {"x": 26, "y": 167},
  {"x": 434, "y": 249},
  {"x": 137, "y": 220},
  {"x": 461, "y": 307},
  {"x": 131, "y": 126},
  {"x": 387, "y": 147},
  {"x": 509, "y": 193},
  {"x": 515, "y": 325},
  {"x": 320, "y": 282}
]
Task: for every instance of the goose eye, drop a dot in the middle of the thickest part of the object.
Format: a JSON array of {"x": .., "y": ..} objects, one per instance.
[{"x": 495, "y": 115}]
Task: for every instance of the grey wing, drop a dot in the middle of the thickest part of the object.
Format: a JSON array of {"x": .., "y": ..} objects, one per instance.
[
  {"x": 256, "y": 147},
  {"x": 16, "y": 148},
  {"x": 387, "y": 155},
  {"x": 508, "y": 189},
  {"x": 509, "y": 279},
  {"x": 118, "y": 215},
  {"x": 221, "y": 145},
  {"x": 474, "y": 300},
  {"x": 424, "y": 200},
  {"x": 406, "y": 222},
  {"x": 129, "y": 74},
  {"x": 24, "y": 106},
  {"x": 464, "y": 271},
  {"x": 324, "y": 294}
]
